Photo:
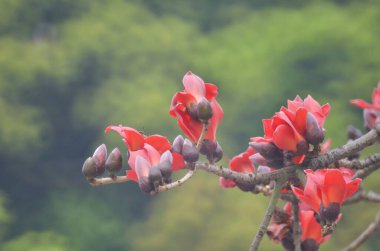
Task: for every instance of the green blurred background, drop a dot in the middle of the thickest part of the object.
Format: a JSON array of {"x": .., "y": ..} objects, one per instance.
[{"x": 69, "y": 68}]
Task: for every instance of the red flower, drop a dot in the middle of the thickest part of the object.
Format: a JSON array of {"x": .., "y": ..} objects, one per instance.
[
  {"x": 240, "y": 163},
  {"x": 184, "y": 107},
  {"x": 371, "y": 112},
  {"x": 145, "y": 151},
  {"x": 311, "y": 229},
  {"x": 326, "y": 190}
]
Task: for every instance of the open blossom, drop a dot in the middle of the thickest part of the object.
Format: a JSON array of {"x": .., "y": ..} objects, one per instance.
[
  {"x": 371, "y": 112},
  {"x": 311, "y": 231},
  {"x": 240, "y": 163},
  {"x": 185, "y": 107},
  {"x": 145, "y": 151},
  {"x": 326, "y": 189},
  {"x": 294, "y": 127}
]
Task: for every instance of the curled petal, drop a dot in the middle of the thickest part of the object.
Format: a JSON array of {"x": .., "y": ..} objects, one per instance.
[
  {"x": 211, "y": 91},
  {"x": 133, "y": 138},
  {"x": 362, "y": 104},
  {"x": 333, "y": 188},
  {"x": 160, "y": 143},
  {"x": 284, "y": 138},
  {"x": 194, "y": 85},
  {"x": 178, "y": 161}
]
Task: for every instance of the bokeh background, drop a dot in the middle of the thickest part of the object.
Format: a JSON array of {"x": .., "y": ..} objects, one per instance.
[{"x": 69, "y": 68}]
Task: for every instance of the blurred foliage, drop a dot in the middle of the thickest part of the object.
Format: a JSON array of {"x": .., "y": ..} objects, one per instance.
[{"x": 70, "y": 68}]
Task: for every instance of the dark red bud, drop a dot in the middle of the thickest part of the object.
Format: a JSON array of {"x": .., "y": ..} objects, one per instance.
[
  {"x": 114, "y": 161},
  {"x": 280, "y": 216},
  {"x": 276, "y": 163},
  {"x": 331, "y": 212},
  {"x": 245, "y": 187},
  {"x": 100, "y": 155},
  {"x": 155, "y": 175},
  {"x": 204, "y": 110},
  {"x": 91, "y": 170},
  {"x": 309, "y": 245},
  {"x": 218, "y": 153},
  {"x": 192, "y": 110},
  {"x": 165, "y": 164},
  {"x": 145, "y": 185},
  {"x": 353, "y": 132},
  {"x": 208, "y": 147},
  {"x": 177, "y": 144},
  {"x": 288, "y": 242},
  {"x": 302, "y": 147},
  {"x": 267, "y": 149},
  {"x": 189, "y": 152},
  {"x": 314, "y": 133}
]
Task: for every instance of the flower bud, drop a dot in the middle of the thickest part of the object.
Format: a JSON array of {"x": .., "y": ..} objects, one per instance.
[
  {"x": 90, "y": 170},
  {"x": 331, "y": 212},
  {"x": 155, "y": 175},
  {"x": 100, "y": 156},
  {"x": 309, "y": 245},
  {"x": 288, "y": 242},
  {"x": 204, "y": 110},
  {"x": 165, "y": 165},
  {"x": 267, "y": 149},
  {"x": 208, "y": 147},
  {"x": 353, "y": 133},
  {"x": 258, "y": 160},
  {"x": 218, "y": 153},
  {"x": 192, "y": 110},
  {"x": 189, "y": 152},
  {"x": 314, "y": 133},
  {"x": 145, "y": 185},
  {"x": 114, "y": 161},
  {"x": 245, "y": 187},
  {"x": 177, "y": 144}
]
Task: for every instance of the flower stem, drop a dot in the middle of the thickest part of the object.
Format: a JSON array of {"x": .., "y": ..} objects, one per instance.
[{"x": 203, "y": 134}]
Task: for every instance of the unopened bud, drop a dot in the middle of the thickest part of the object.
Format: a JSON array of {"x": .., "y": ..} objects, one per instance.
[
  {"x": 331, "y": 212},
  {"x": 177, "y": 144},
  {"x": 302, "y": 147},
  {"x": 314, "y": 133},
  {"x": 353, "y": 133},
  {"x": 145, "y": 185},
  {"x": 267, "y": 149},
  {"x": 288, "y": 242},
  {"x": 276, "y": 163},
  {"x": 245, "y": 187},
  {"x": 309, "y": 245},
  {"x": 258, "y": 160},
  {"x": 165, "y": 165},
  {"x": 100, "y": 155},
  {"x": 155, "y": 175},
  {"x": 114, "y": 161},
  {"x": 189, "y": 152},
  {"x": 208, "y": 147},
  {"x": 204, "y": 110},
  {"x": 218, "y": 153},
  {"x": 90, "y": 169},
  {"x": 193, "y": 111}
]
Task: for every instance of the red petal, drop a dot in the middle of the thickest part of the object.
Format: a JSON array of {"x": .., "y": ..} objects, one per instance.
[
  {"x": 178, "y": 162},
  {"x": 362, "y": 104},
  {"x": 153, "y": 154},
  {"x": 311, "y": 229},
  {"x": 334, "y": 187},
  {"x": 300, "y": 120},
  {"x": 211, "y": 91},
  {"x": 225, "y": 183},
  {"x": 132, "y": 175},
  {"x": 352, "y": 187},
  {"x": 133, "y": 155},
  {"x": 376, "y": 95},
  {"x": 284, "y": 138},
  {"x": 133, "y": 139},
  {"x": 309, "y": 198},
  {"x": 268, "y": 129},
  {"x": 241, "y": 164},
  {"x": 214, "y": 121},
  {"x": 160, "y": 143},
  {"x": 194, "y": 85}
]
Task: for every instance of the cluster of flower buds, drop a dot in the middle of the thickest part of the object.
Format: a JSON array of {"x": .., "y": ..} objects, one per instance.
[
  {"x": 291, "y": 131},
  {"x": 96, "y": 165},
  {"x": 371, "y": 112},
  {"x": 186, "y": 148}
]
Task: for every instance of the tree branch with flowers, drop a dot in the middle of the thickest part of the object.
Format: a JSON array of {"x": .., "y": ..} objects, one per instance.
[{"x": 291, "y": 162}]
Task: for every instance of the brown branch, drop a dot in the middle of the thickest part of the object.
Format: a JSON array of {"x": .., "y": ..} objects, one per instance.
[
  {"x": 362, "y": 195},
  {"x": 360, "y": 164},
  {"x": 363, "y": 173},
  {"x": 296, "y": 226},
  {"x": 174, "y": 184},
  {"x": 268, "y": 216},
  {"x": 344, "y": 151},
  {"x": 365, "y": 234},
  {"x": 108, "y": 180}
]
